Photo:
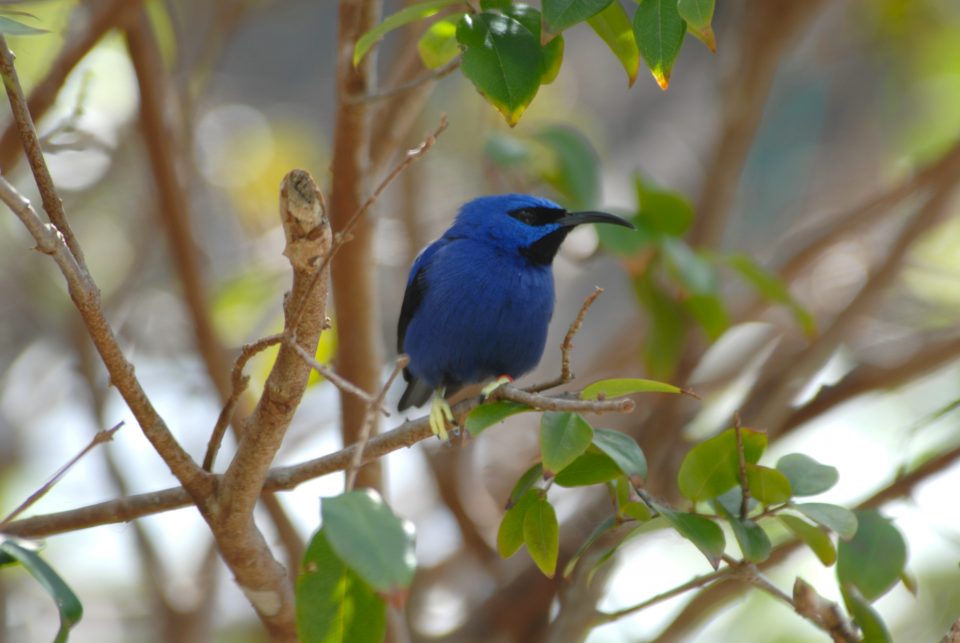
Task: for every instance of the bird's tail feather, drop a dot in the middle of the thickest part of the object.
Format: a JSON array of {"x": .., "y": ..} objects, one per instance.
[{"x": 416, "y": 394}]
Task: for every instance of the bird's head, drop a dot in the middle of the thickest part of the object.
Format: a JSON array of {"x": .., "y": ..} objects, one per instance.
[{"x": 531, "y": 226}]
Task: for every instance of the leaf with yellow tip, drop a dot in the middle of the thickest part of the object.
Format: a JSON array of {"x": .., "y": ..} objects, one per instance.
[
  {"x": 405, "y": 16},
  {"x": 659, "y": 30},
  {"x": 614, "y": 28},
  {"x": 698, "y": 14}
]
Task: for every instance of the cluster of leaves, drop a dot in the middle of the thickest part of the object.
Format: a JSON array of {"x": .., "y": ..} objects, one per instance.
[
  {"x": 870, "y": 555},
  {"x": 361, "y": 558},
  {"x": 16, "y": 551},
  {"x": 509, "y": 49},
  {"x": 11, "y": 21},
  {"x": 679, "y": 287}
]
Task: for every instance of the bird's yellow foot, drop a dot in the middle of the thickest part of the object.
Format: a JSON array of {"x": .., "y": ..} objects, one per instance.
[
  {"x": 488, "y": 390},
  {"x": 440, "y": 415}
]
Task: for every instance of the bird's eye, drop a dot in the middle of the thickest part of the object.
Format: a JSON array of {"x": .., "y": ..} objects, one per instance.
[{"x": 537, "y": 216}]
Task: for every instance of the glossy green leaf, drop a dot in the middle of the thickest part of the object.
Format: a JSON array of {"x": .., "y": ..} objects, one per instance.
[
  {"x": 873, "y": 560},
  {"x": 510, "y": 533},
  {"x": 659, "y": 30},
  {"x": 712, "y": 467},
  {"x": 438, "y": 45},
  {"x": 623, "y": 450},
  {"x": 668, "y": 327},
  {"x": 753, "y": 540},
  {"x": 604, "y": 527},
  {"x": 838, "y": 519},
  {"x": 335, "y": 605},
  {"x": 614, "y": 28},
  {"x": 698, "y": 15},
  {"x": 574, "y": 171},
  {"x": 807, "y": 476},
  {"x": 702, "y": 532},
  {"x": 816, "y": 538},
  {"x": 563, "y": 438},
  {"x": 669, "y": 213},
  {"x": 593, "y": 467},
  {"x": 503, "y": 60},
  {"x": 563, "y": 14},
  {"x": 68, "y": 605},
  {"x": 732, "y": 499},
  {"x": 526, "y": 481},
  {"x": 872, "y": 627},
  {"x": 541, "y": 534},
  {"x": 637, "y": 510},
  {"x": 371, "y": 539},
  {"x": 486, "y": 415},
  {"x": 526, "y": 15},
  {"x": 767, "y": 485},
  {"x": 769, "y": 286},
  {"x": 618, "y": 387},
  {"x": 552, "y": 59},
  {"x": 405, "y": 16},
  {"x": 11, "y": 27}
]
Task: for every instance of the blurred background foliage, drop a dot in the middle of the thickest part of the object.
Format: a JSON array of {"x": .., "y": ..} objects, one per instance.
[{"x": 862, "y": 97}]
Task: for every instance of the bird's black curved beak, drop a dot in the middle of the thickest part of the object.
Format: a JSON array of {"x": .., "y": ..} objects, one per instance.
[{"x": 576, "y": 218}]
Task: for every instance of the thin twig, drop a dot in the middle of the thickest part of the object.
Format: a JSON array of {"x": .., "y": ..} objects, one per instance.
[
  {"x": 368, "y": 423},
  {"x": 742, "y": 463},
  {"x": 563, "y": 402},
  {"x": 239, "y": 382},
  {"x": 567, "y": 346},
  {"x": 343, "y": 236},
  {"x": 390, "y": 92},
  {"x": 99, "y": 438},
  {"x": 335, "y": 378},
  {"x": 31, "y": 147}
]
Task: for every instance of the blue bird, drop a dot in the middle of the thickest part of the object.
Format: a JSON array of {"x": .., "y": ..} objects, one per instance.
[{"x": 479, "y": 298}]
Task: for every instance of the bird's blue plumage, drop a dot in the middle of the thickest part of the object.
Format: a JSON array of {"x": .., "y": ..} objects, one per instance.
[{"x": 479, "y": 299}]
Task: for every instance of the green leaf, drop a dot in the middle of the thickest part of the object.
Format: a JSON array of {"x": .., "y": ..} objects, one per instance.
[
  {"x": 607, "y": 525},
  {"x": 563, "y": 438},
  {"x": 438, "y": 45},
  {"x": 335, "y": 605},
  {"x": 526, "y": 481},
  {"x": 669, "y": 213},
  {"x": 695, "y": 273},
  {"x": 807, "y": 476},
  {"x": 702, "y": 532},
  {"x": 769, "y": 286},
  {"x": 367, "y": 536},
  {"x": 618, "y": 387},
  {"x": 486, "y": 415},
  {"x": 575, "y": 167},
  {"x": 593, "y": 467},
  {"x": 563, "y": 14},
  {"x": 10, "y": 27},
  {"x": 874, "y": 558},
  {"x": 767, "y": 485},
  {"x": 712, "y": 467},
  {"x": 637, "y": 510},
  {"x": 710, "y": 313},
  {"x": 816, "y": 538},
  {"x": 698, "y": 15},
  {"x": 68, "y": 605},
  {"x": 839, "y": 519},
  {"x": 625, "y": 242},
  {"x": 871, "y": 625},
  {"x": 614, "y": 28},
  {"x": 668, "y": 327},
  {"x": 552, "y": 59},
  {"x": 510, "y": 533},
  {"x": 753, "y": 540},
  {"x": 503, "y": 60},
  {"x": 731, "y": 501},
  {"x": 541, "y": 534},
  {"x": 659, "y": 30},
  {"x": 405, "y": 16},
  {"x": 623, "y": 450}
]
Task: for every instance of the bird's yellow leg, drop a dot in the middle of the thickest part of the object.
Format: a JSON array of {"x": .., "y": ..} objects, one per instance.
[
  {"x": 487, "y": 390},
  {"x": 440, "y": 414}
]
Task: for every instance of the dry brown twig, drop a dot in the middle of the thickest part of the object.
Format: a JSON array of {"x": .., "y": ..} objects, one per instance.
[
  {"x": 567, "y": 346},
  {"x": 99, "y": 438}
]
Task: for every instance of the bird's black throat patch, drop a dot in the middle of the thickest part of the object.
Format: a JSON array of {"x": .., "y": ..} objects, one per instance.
[{"x": 543, "y": 250}]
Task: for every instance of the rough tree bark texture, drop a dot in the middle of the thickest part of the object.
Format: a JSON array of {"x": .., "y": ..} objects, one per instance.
[{"x": 359, "y": 354}]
